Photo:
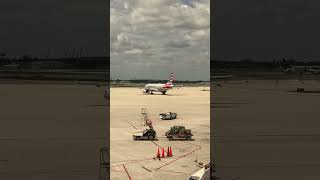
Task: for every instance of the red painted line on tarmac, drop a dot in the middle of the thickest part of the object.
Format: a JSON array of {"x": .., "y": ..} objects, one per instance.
[
  {"x": 136, "y": 161},
  {"x": 178, "y": 158},
  {"x": 132, "y": 125},
  {"x": 123, "y": 162},
  {"x": 127, "y": 172},
  {"x": 175, "y": 172},
  {"x": 139, "y": 161},
  {"x": 130, "y": 162},
  {"x": 118, "y": 171}
]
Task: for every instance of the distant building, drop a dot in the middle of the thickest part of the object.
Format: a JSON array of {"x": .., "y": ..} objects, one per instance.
[
  {"x": 47, "y": 65},
  {"x": 10, "y": 66},
  {"x": 87, "y": 62}
]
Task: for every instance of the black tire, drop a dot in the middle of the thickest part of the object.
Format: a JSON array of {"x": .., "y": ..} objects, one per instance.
[
  {"x": 150, "y": 137},
  {"x": 164, "y": 92},
  {"x": 137, "y": 138},
  {"x": 188, "y": 138},
  {"x": 170, "y": 138}
]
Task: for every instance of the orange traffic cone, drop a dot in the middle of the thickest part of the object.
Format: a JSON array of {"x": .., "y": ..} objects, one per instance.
[
  {"x": 171, "y": 151},
  {"x": 168, "y": 152},
  {"x": 162, "y": 152},
  {"x": 158, "y": 154}
]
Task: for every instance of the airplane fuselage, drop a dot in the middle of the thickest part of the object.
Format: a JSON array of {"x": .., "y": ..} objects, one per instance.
[
  {"x": 303, "y": 69},
  {"x": 150, "y": 88}
]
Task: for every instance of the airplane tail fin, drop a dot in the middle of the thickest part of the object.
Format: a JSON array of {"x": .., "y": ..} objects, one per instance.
[
  {"x": 172, "y": 78},
  {"x": 284, "y": 64}
]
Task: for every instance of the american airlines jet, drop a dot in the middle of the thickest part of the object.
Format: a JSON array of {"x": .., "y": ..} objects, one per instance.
[
  {"x": 288, "y": 68},
  {"x": 150, "y": 88}
]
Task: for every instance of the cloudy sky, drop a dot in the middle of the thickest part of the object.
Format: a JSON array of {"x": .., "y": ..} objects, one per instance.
[
  {"x": 34, "y": 26},
  {"x": 151, "y": 38},
  {"x": 266, "y": 29}
]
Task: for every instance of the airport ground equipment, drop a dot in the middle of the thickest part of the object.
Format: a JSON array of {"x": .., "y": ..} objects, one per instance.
[
  {"x": 145, "y": 117},
  {"x": 168, "y": 116},
  {"x": 104, "y": 164},
  {"x": 147, "y": 134},
  {"x": 179, "y": 132}
]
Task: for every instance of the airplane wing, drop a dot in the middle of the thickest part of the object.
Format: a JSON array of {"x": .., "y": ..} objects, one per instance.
[{"x": 314, "y": 71}]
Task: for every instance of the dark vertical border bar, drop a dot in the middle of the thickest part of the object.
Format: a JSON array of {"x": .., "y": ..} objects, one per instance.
[
  {"x": 108, "y": 83},
  {"x": 50, "y": 142},
  {"x": 212, "y": 10},
  {"x": 105, "y": 151}
]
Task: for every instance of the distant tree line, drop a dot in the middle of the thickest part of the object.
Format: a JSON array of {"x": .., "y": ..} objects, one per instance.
[
  {"x": 156, "y": 81},
  {"x": 255, "y": 64},
  {"x": 69, "y": 63}
]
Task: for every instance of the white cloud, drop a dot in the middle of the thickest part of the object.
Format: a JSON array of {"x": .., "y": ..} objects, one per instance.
[
  {"x": 166, "y": 35},
  {"x": 134, "y": 51}
]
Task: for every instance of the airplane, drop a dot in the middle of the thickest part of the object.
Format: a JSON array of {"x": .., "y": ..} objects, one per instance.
[
  {"x": 288, "y": 68},
  {"x": 203, "y": 174},
  {"x": 163, "y": 88}
]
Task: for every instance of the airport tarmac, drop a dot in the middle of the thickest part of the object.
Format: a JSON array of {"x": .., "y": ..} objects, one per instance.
[
  {"x": 134, "y": 159},
  {"x": 263, "y": 131},
  {"x": 51, "y": 130}
]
